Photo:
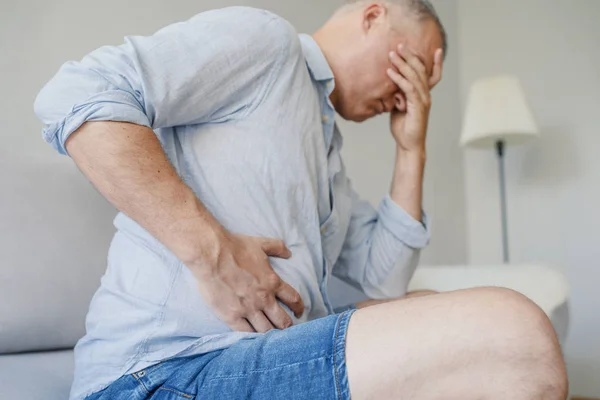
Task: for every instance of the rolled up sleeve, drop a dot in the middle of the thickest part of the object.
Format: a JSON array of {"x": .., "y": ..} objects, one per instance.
[
  {"x": 78, "y": 94},
  {"x": 382, "y": 248},
  {"x": 402, "y": 225},
  {"x": 215, "y": 67}
]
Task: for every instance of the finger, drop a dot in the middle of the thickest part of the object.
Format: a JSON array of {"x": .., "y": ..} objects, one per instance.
[
  {"x": 438, "y": 66},
  {"x": 409, "y": 74},
  {"x": 407, "y": 87},
  {"x": 260, "y": 322},
  {"x": 411, "y": 59},
  {"x": 275, "y": 248},
  {"x": 277, "y": 315},
  {"x": 291, "y": 298},
  {"x": 225, "y": 303},
  {"x": 240, "y": 325},
  {"x": 418, "y": 78}
]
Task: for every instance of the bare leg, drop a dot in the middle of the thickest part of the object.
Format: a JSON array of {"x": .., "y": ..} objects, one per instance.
[{"x": 471, "y": 344}]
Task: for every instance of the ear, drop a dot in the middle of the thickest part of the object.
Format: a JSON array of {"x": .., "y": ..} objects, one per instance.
[{"x": 374, "y": 14}]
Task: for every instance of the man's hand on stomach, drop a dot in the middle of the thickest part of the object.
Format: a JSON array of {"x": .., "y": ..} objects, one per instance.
[
  {"x": 239, "y": 284},
  {"x": 128, "y": 165}
]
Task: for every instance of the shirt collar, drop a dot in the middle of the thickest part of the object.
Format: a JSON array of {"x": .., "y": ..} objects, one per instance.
[{"x": 315, "y": 60}]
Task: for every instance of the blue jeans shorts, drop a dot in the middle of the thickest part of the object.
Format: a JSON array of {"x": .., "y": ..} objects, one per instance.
[{"x": 304, "y": 362}]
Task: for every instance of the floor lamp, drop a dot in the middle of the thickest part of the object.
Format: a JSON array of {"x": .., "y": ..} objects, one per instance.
[{"x": 497, "y": 115}]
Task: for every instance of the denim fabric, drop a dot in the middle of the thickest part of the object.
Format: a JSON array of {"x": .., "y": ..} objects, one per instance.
[
  {"x": 305, "y": 362},
  {"x": 240, "y": 104}
]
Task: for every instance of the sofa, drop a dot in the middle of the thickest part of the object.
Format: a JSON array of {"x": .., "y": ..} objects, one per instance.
[{"x": 55, "y": 230}]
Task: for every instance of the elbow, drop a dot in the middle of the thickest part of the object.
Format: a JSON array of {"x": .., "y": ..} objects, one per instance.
[
  {"x": 47, "y": 111},
  {"x": 392, "y": 282},
  {"x": 55, "y": 102},
  {"x": 42, "y": 105},
  {"x": 51, "y": 102},
  {"x": 75, "y": 96},
  {"x": 384, "y": 292},
  {"x": 38, "y": 106},
  {"x": 53, "y": 117}
]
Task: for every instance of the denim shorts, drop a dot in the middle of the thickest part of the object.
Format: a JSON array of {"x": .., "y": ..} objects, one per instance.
[{"x": 306, "y": 361}]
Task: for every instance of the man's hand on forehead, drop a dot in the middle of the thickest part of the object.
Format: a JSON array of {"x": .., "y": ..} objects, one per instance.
[
  {"x": 418, "y": 70},
  {"x": 413, "y": 102},
  {"x": 417, "y": 62}
]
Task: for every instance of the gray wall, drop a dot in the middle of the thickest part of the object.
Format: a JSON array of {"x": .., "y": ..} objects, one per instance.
[{"x": 554, "y": 183}]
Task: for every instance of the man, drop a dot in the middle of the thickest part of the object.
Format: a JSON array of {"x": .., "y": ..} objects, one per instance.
[{"x": 213, "y": 136}]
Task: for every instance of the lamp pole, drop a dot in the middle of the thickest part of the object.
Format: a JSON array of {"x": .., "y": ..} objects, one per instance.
[{"x": 500, "y": 153}]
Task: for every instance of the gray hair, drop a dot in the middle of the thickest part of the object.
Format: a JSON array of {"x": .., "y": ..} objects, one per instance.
[{"x": 422, "y": 10}]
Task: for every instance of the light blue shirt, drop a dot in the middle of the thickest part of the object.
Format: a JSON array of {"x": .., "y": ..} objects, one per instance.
[{"x": 240, "y": 104}]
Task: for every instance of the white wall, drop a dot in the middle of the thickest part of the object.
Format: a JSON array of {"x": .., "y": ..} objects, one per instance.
[{"x": 554, "y": 183}]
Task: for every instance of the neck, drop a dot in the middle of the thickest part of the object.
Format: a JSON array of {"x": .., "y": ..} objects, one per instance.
[{"x": 329, "y": 45}]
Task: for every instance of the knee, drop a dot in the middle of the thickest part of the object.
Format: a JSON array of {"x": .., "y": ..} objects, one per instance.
[
  {"x": 524, "y": 340},
  {"x": 515, "y": 317}
]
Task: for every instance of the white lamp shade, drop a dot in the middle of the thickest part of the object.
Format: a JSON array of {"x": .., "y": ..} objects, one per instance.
[{"x": 497, "y": 110}]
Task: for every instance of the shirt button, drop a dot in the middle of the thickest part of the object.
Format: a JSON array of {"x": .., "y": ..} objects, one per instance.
[{"x": 325, "y": 119}]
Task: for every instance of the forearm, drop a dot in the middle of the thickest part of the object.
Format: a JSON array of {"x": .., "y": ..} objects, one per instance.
[
  {"x": 127, "y": 164},
  {"x": 382, "y": 248},
  {"x": 407, "y": 183},
  {"x": 391, "y": 278}
]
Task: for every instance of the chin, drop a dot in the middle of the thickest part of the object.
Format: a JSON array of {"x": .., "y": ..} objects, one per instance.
[
  {"x": 354, "y": 116},
  {"x": 362, "y": 118}
]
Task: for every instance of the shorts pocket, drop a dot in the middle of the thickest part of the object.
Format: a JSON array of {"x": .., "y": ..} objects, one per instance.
[{"x": 167, "y": 393}]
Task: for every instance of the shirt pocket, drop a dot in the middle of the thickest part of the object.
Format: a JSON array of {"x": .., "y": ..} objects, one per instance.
[{"x": 335, "y": 226}]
